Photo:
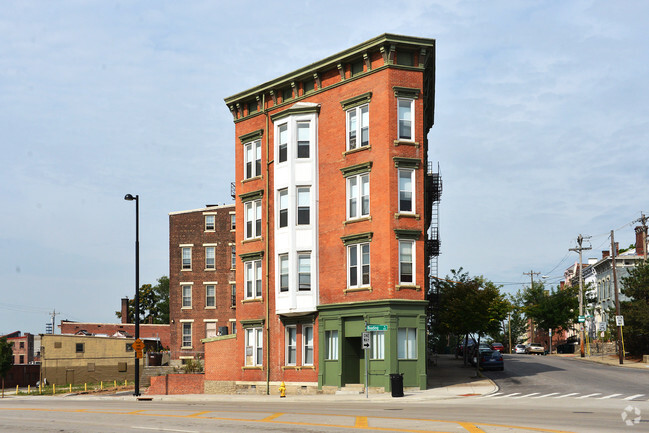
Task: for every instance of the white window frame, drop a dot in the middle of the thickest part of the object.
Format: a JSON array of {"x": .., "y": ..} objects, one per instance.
[
  {"x": 290, "y": 346},
  {"x": 233, "y": 222},
  {"x": 307, "y": 345},
  {"x": 412, "y": 262},
  {"x": 298, "y": 146},
  {"x": 186, "y": 336},
  {"x": 187, "y": 250},
  {"x": 355, "y": 264},
  {"x": 209, "y": 324},
  {"x": 378, "y": 345},
  {"x": 280, "y": 143},
  {"x": 252, "y": 156},
  {"x": 254, "y": 344},
  {"x": 412, "y": 174},
  {"x": 407, "y": 343},
  {"x": 252, "y": 269},
  {"x": 233, "y": 257},
  {"x": 331, "y": 345},
  {"x": 304, "y": 255},
  {"x": 253, "y": 219},
  {"x": 210, "y": 258},
  {"x": 210, "y": 223},
  {"x": 355, "y": 198},
  {"x": 283, "y": 205},
  {"x": 301, "y": 191},
  {"x": 283, "y": 271},
  {"x": 400, "y": 133},
  {"x": 208, "y": 296},
  {"x": 356, "y": 113},
  {"x": 185, "y": 287}
]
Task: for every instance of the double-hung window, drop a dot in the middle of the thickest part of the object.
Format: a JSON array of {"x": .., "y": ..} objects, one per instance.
[
  {"x": 406, "y": 261},
  {"x": 283, "y": 272},
  {"x": 233, "y": 257},
  {"x": 378, "y": 345},
  {"x": 253, "y": 219},
  {"x": 233, "y": 222},
  {"x": 187, "y": 334},
  {"x": 358, "y": 196},
  {"x": 209, "y": 258},
  {"x": 283, "y": 207},
  {"x": 303, "y": 139},
  {"x": 307, "y": 344},
  {"x": 210, "y": 295},
  {"x": 209, "y": 223},
  {"x": 252, "y": 159},
  {"x": 291, "y": 345},
  {"x": 186, "y": 296},
  {"x": 331, "y": 345},
  {"x": 304, "y": 271},
  {"x": 358, "y": 127},
  {"x": 407, "y": 343},
  {"x": 358, "y": 264},
  {"x": 303, "y": 205},
  {"x": 254, "y": 346},
  {"x": 187, "y": 258},
  {"x": 253, "y": 279},
  {"x": 282, "y": 151},
  {"x": 406, "y": 190},
  {"x": 406, "y": 112}
]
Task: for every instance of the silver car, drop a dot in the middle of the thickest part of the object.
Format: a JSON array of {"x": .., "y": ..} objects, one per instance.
[
  {"x": 519, "y": 348},
  {"x": 535, "y": 348}
]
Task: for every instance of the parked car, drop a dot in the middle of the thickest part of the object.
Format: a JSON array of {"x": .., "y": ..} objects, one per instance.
[
  {"x": 535, "y": 348},
  {"x": 492, "y": 360},
  {"x": 482, "y": 348},
  {"x": 459, "y": 350},
  {"x": 519, "y": 348},
  {"x": 498, "y": 346}
]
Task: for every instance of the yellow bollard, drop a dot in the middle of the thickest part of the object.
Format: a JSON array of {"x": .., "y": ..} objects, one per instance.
[
  {"x": 29, "y": 389},
  {"x": 70, "y": 388},
  {"x": 53, "y": 389},
  {"x": 16, "y": 389},
  {"x": 125, "y": 382},
  {"x": 85, "y": 387},
  {"x": 114, "y": 384},
  {"x": 101, "y": 385}
]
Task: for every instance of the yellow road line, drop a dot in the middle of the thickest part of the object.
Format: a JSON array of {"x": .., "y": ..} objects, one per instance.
[
  {"x": 470, "y": 427},
  {"x": 194, "y": 415},
  {"x": 272, "y": 417},
  {"x": 361, "y": 421}
]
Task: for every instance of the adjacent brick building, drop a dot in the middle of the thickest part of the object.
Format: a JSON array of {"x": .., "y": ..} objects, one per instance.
[
  {"x": 157, "y": 336},
  {"x": 201, "y": 278},
  {"x": 333, "y": 206}
]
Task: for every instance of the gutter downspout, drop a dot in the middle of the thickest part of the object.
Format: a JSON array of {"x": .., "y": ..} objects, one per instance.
[{"x": 268, "y": 163}]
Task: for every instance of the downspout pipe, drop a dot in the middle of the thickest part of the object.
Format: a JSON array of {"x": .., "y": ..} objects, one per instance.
[{"x": 268, "y": 163}]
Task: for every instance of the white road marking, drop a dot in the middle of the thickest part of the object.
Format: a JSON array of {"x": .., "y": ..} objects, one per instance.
[
  {"x": 589, "y": 395},
  {"x": 567, "y": 395},
  {"x": 633, "y": 396},
  {"x": 164, "y": 429},
  {"x": 527, "y": 395},
  {"x": 608, "y": 396},
  {"x": 508, "y": 395},
  {"x": 546, "y": 395},
  {"x": 491, "y": 395}
]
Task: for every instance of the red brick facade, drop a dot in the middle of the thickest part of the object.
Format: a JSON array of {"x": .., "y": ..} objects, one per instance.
[
  {"x": 23, "y": 347},
  {"x": 207, "y": 305},
  {"x": 172, "y": 384}
]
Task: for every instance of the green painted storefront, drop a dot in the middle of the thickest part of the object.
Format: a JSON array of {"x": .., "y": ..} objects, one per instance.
[{"x": 346, "y": 321}]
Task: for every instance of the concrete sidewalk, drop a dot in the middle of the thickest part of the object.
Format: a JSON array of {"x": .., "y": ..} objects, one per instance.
[{"x": 609, "y": 359}]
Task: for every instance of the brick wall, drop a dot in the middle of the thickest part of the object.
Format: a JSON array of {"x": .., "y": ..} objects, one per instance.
[
  {"x": 171, "y": 384},
  {"x": 222, "y": 359},
  {"x": 160, "y": 331}
]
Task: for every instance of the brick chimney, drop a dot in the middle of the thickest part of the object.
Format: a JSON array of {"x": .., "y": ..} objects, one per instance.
[
  {"x": 605, "y": 254},
  {"x": 639, "y": 241},
  {"x": 125, "y": 310}
]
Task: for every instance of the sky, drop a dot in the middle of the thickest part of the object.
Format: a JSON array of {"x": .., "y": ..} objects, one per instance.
[{"x": 541, "y": 130}]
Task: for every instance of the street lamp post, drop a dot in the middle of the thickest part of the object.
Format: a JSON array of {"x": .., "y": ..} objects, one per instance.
[{"x": 129, "y": 197}]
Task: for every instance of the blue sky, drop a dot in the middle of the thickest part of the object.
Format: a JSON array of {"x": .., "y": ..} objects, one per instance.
[{"x": 541, "y": 130}]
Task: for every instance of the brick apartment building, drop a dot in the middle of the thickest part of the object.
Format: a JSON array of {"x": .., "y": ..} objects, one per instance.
[
  {"x": 23, "y": 347},
  {"x": 333, "y": 206},
  {"x": 201, "y": 278}
]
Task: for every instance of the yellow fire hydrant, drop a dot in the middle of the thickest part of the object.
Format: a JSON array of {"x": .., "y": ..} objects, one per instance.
[{"x": 282, "y": 390}]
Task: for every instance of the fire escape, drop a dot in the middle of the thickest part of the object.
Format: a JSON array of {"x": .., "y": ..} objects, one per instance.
[{"x": 433, "y": 243}]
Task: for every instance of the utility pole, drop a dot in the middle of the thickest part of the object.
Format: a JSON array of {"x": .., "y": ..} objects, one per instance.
[
  {"x": 580, "y": 239},
  {"x": 509, "y": 325},
  {"x": 53, "y": 314},
  {"x": 643, "y": 219},
  {"x": 531, "y": 273},
  {"x": 620, "y": 345}
]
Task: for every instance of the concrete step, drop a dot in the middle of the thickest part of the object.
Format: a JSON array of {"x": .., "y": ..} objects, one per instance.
[{"x": 351, "y": 389}]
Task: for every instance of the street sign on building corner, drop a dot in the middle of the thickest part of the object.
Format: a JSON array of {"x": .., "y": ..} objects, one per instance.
[
  {"x": 376, "y": 327},
  {"x": 367, "y": 342}
]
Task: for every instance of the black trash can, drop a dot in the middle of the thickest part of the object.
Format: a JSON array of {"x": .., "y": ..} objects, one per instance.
[{"x": 396, "y": 383}]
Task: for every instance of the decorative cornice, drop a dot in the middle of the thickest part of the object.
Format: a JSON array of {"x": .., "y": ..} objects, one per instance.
[
  {"x": 355, "y": 169},
  {"x": 298, "y": 108},
  {"x": 407, "y": 234},
  {"x": 356, "y": 101},
  {"x": 357, "y": 238},
  {"x": 406, "y": 92},
  {"x": 251, "y": 136},
  {"x": 249, "y": 196},
  {"x": 247, "y": 257},
  {"x": 402, "y": 162},
  {"x": 252, "y": 323}
]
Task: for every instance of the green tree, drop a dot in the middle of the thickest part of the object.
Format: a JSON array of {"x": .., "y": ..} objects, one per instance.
[
  {"x": 6, "y": 360},
  {"x": 154, "y": 303},
  {"x": 636, "y": 311},
  {"x": 515, "y": 321},
  {"x": 554, "y": 309}
]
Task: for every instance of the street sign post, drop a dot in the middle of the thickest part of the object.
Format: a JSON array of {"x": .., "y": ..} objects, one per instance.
[
  {"x": 367, "y": 343},
  {"x": 376, "y": 327},
  {"x": 619, "y": 320},
  {"x": 581, "y": 319}
]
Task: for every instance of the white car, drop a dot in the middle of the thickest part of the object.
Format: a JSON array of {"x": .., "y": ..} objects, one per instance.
[{"x": 519, "y": 348}]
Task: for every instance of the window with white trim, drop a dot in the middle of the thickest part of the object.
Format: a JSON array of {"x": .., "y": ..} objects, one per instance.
[
  {"x": 406, "y": 190},
  {"x": 233, "y": 257},
  {"x": 253, "y": 219},
  {"x": 283, "y": 207},
  {"x": 282, "y": 151},
  {"x": 210, "y": 329},
  {"x": 209, "y": 258},
  {"x": 307, "y": 344},
  {"x": 252, "y": 159},
  {"x": 209, "y": 223},
  {"x": 331, "y": 345},
  {"x": 283, "y": 272},
  {"x": 406, "y": 262},
  {"x": 358, "y": 265},
  {"x": 253, "y": 279},
  {"x": 407, "y": 343},
  {"x": 358, "y": 196},
  {"x": 304, "y": 271},
  {"x": 187, "y": 296},
  {"x": 210, "y": 295},
  {"x": 187, "y": 258},
  {"x": 233, "y": 295},
  {"x": 303, "y": 139},
  {"x": 358, "y": 127},
  {"x": 291, "y": 345},
  {"x": 254, "y": 346},
  {"x": 378, "y": 345},
  {"x": 303, "y": 205},
  {"x": 406, "y": 112},
  {"x": 186, "y": 334},
  {"x": 233, "y": 222}
]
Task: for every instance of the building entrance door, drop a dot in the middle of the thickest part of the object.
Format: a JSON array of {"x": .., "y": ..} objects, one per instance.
[{"x": 353, "y": 367}]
